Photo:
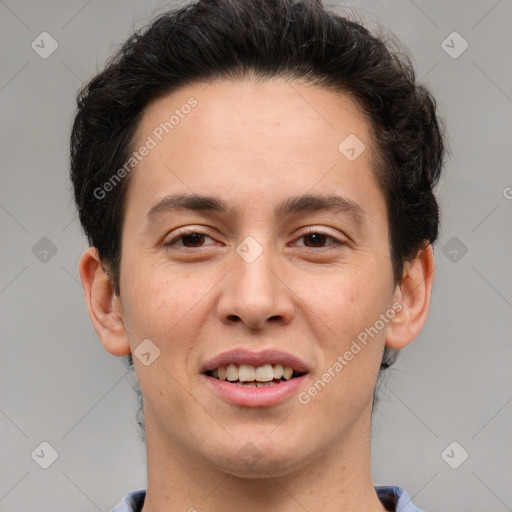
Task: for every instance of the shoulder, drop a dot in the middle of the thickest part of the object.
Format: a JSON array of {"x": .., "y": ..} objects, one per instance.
[
  {"x": 395, "y": 499},
  {"x": 132, "y": 502}
]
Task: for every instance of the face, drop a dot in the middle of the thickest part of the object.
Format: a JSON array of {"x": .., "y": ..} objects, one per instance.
[{"x": 305, "y": 281}]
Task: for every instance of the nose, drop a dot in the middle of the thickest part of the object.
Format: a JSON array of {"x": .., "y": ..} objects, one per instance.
[{"x": 256, "y": 293}]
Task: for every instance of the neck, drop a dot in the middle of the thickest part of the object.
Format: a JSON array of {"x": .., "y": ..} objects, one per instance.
[{"x": 338, "y": 480}]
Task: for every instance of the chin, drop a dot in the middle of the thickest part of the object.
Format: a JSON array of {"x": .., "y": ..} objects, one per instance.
[
  {"x": 263, "y": 468},
  {"x": 261, "y": 458}
]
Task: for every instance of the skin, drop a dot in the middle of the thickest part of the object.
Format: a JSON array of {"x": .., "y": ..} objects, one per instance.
[{"x": 254, "y": 144}]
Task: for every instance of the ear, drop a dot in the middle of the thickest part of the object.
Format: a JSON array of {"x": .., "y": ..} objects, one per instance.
[
  {"x": 413, "y": 293},
  {"x": 105, "y": 308}
]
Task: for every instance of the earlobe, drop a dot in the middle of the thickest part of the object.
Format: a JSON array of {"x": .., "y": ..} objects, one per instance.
[
  {"x": 413, "y": 294},
  {"x": 104, "y": 307}
]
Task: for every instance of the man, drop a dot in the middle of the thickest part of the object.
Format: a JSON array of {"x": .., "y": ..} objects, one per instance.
[{"x": 255, "y": 179}]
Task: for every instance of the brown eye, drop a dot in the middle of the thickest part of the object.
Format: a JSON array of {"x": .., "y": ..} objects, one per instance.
[
  {"x": 317, "y": 239},
  {"x": 190, "y": 240}
]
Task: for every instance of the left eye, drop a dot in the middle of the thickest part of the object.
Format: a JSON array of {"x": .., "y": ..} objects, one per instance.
[{"x": 317, "y": 237}]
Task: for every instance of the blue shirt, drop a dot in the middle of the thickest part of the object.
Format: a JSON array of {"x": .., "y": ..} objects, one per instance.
[{"x": 393, "y": 498}]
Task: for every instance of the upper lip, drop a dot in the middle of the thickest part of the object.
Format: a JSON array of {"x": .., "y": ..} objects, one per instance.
[{"x": 259, "y": 358}]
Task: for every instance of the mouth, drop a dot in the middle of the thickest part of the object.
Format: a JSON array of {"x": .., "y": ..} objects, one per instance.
[{"x": 256, "y": 377}]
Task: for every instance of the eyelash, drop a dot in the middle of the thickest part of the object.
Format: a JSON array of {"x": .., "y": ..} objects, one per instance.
[{"x": 183, "y": 234}]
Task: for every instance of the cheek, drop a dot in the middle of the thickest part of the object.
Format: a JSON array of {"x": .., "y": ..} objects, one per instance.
[
  {"x": 348, "y": 300},
  {"x": 160, "y": 302},
  {"x": 350, "y": 357},
  {"x": 170, "y": 307}
]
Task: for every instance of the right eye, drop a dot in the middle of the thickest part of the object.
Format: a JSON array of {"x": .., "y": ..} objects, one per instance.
[{"x": 194, "y": 238}]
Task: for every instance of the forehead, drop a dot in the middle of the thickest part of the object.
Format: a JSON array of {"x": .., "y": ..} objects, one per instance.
[
  {"x": 270, "y": 137},
  {"x": 230, "y": 112}
]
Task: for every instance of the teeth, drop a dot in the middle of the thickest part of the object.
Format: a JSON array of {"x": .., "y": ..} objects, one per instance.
[
  {"x": 232, "y": 372},
  {"x": 245, "y": 373},
  {"x": 264, "y": 373},
  {"x": 278, "y": 371},
  {"x": 256, "y": 384}
]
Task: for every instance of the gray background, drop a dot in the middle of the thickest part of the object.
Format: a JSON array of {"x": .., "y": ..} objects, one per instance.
[{"x": 58, "y": 384}]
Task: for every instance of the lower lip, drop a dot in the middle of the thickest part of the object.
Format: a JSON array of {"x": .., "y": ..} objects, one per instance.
[{"x": 255, "y": 397}]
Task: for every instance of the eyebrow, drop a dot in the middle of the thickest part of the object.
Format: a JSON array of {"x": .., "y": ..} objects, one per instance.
[{"x": 306, "y": 203}]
